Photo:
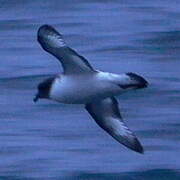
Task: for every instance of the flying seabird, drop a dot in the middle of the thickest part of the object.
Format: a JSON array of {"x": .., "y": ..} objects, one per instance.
[{"x": 80, "y": 83}]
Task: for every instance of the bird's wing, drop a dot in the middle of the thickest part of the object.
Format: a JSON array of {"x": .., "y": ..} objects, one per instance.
[
  {"x": 52, "y": 42},
  {"x": 107, "y": 116}
]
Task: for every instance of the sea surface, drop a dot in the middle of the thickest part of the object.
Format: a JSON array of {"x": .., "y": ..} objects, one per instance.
[{"x": 51, "y": 141}]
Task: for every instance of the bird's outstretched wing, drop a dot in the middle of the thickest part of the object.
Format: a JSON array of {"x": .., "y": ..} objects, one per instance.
[
  {"x": 52, "y": 42},
  {"x": 107, "y": 116}
]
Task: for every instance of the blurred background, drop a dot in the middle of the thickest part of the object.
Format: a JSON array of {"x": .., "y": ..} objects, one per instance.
[{"x": 48, "y": 140}]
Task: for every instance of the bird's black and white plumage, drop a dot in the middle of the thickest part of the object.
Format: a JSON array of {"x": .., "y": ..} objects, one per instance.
[
  {"x": 107, "y": 116},
  {"x": 80, "y": 83},
  {"x": 52, "y": 42}
]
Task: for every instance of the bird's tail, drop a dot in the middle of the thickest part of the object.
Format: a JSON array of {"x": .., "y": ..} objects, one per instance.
[{"x": 134, "y": 81}]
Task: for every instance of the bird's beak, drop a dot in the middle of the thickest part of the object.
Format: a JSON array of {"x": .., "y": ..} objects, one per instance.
[{"x": 36, "y": 98}]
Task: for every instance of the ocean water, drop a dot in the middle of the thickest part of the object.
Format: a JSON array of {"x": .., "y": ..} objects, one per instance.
[{"x": 54, "y": 141}]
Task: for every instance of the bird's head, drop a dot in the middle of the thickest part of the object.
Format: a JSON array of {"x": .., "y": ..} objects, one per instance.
[{"x": 44, "y": 89}]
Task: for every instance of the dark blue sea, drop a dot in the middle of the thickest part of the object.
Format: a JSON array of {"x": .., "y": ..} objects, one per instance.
[{"x": 53, "y": 141}]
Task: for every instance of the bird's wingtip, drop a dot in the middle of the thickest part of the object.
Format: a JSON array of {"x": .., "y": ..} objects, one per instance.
[
  {"x": 45, "y": 28},
  {"x": 47, "y": 35},
  {"x": 138, "y": 147}
]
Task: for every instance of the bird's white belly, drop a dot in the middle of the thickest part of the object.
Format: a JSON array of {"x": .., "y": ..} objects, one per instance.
[{"x": 81, "y": 90}]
